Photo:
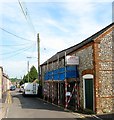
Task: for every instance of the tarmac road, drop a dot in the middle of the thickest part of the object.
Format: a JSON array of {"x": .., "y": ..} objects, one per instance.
[{"x": 33, "y": 107}]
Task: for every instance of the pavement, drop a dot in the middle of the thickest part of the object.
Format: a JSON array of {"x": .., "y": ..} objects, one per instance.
[{"x": 6, "y": 100}]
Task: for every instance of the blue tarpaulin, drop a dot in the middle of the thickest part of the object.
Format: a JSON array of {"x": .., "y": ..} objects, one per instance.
[{"x": 62, "y": 73}]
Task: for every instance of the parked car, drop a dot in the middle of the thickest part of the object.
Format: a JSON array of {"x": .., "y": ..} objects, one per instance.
[{"x": 13, "y": 87}]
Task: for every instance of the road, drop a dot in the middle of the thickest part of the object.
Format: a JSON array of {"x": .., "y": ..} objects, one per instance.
[{"x": 33, "y": 107}]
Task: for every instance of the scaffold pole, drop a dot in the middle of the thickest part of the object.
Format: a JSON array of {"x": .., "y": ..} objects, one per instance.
[
  {"x": 48, "y": 91},
  {"x": 76, "y": 95},
  {"x": 66, "y": 104},
  {"x": 58, "y": 94}
]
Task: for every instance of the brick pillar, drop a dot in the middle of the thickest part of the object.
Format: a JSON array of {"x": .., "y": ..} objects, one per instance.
[{"x": 96, "y": 76}]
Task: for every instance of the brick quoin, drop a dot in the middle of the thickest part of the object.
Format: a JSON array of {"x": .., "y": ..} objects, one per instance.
[
  {"x": 97, "y": 67},
  {"x": 96, "y": 73}
]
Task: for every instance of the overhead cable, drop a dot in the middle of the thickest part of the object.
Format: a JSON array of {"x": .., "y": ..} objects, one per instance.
[
  {"x": 26, "y": 14},
  {"x": 13, "y": 45},
  {"x": 18, "y": 52},
  {"x": 22, "y": 49},
  {"x": 15, "y": 35},
  {"x": 22, "y": 9}
]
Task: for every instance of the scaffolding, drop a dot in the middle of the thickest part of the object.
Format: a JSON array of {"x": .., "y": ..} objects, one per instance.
[{"x": 61, "y": 87}]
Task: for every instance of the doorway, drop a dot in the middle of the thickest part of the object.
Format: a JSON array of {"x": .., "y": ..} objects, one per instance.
[{"x": 88, "y": 92}]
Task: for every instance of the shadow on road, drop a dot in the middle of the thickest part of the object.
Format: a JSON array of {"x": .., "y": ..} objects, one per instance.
[{"x": 33, "y": 102}]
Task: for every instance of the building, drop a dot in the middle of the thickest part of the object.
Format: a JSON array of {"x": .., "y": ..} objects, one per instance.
[
  {"x": 1, "y": 71},
  {"x": 89, "y": 85},
  {"x": 5, "y": 83}
]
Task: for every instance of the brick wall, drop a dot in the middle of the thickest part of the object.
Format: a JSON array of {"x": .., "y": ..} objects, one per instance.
[
  {"x": 1, "y": 70},
  {"x": 104, "y": 66},
  {"x": 85, "y": 66}
]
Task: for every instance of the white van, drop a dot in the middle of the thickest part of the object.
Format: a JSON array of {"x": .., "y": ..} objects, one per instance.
[{"x": 30, "y": 89}]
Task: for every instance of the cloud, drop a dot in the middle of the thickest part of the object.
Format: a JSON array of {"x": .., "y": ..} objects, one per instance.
[
  {"x": 18, "y": 68},
  {"x": 56, "y": 25},
  {"x": 15, "y": 68},
  {"x": 86, "y": 17}
]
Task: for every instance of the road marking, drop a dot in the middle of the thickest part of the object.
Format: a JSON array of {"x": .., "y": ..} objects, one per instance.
[
  {"x": 97, "y": 117},
  {"x": 3, "y": 106},
  {"x": 8, "y": 100}
]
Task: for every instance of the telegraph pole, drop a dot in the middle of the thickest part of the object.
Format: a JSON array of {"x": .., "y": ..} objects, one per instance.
[
  {"x": 28, "y": 69},
  {"x": 38, "y": 45}
]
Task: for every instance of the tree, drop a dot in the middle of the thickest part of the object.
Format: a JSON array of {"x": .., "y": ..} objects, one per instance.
[
  {"x": 13, "y": 79},
  {"x": 33, "y": 74},
  {"x": 21, "y": 82},
  {"x": 24, "y": 80}
]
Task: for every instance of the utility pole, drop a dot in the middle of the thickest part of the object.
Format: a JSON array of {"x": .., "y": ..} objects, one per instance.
[
  {"x": 38, "y": 45},
  {"x": 28, "y": 67}
]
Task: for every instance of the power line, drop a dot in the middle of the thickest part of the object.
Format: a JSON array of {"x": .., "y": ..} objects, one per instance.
[
  {"x": 14, "y": 34},
  {"x": 14, "y": 45},
  {"x": 16, "y": 50},
  {"x": 22, "y": 9},
  {"x": 26, "y": 14},
  {"x": 17, "y": 53}
]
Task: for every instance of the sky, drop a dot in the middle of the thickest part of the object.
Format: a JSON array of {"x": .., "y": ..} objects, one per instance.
[{"x": 60, "y": 24}]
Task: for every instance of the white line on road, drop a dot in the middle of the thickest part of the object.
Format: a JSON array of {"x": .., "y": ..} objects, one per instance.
[{"x": 97, "y": 117}]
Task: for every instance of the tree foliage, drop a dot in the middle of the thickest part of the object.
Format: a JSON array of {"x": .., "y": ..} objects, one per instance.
[
  {"x": 32, "y": 76},
  {"x": 13, "y": 79}
]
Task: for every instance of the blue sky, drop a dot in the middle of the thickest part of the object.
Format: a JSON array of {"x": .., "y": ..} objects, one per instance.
[{"x": 61, "y": 24}]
